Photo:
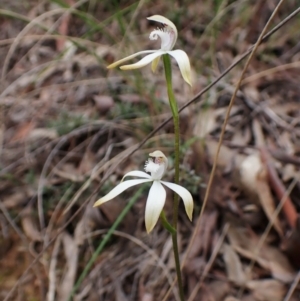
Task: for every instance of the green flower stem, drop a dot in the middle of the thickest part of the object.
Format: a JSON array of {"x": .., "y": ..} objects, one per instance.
[
  {"x": 166, "y": 224},
  {"x": 106, "y": 239},
  {"x": 174, "y": 109}
]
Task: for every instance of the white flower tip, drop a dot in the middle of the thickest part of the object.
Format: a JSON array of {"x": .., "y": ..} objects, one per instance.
[
  {"x": 149, "y": 226},
  {"x": 188, "y": 80},
  {"x": 113, "y": 65},
  {"x": 151, "y": 219},
  {"x": 128, "y": 67},
  {"x": 189, "y": 211},
  {"x": 188, "y": 204},
  {"x": 184, "y": 64},
  {"x": 98, "y": 203},
  {"x": 186, "y": 74}
]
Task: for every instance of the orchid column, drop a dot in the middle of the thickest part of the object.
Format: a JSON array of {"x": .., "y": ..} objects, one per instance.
[{"x": 168, "y": 35}]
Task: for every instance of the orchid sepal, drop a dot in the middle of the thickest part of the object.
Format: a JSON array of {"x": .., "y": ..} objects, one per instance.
[
  {"x": 136, "y": 173},
  {"x": 144, "y": 61},
  {"x": 183, "y": 63},
  {"x": 127, "y": 58},
  {"x": 157, "y": 194},
  {"x": 185, "y": 195},
  {"x": 119, "y": 189},
  {"x": 168, "y": 36}
]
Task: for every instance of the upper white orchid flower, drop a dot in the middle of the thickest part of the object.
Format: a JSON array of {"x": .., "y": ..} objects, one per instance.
[
  {"x": 168, "y": 35},
  {"x": 157, "y": 194}
]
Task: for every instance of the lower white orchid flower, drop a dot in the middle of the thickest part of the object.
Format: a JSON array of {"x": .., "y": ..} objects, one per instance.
[
  {"x": 157, "y": 194},
  {"x": 168, "y": 35}
]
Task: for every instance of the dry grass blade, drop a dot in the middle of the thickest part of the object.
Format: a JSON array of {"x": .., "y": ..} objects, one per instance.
[
  {"x": 292, "y": 288},
  {"x": 33, "y": 23},
  {"x": 52, "y": 270}
]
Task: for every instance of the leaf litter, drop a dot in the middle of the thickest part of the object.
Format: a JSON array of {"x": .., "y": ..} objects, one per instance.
[{"x": 67, "y": 126}]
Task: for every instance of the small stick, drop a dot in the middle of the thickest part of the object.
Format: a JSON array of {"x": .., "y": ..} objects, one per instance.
[{"x": 288, "y": 207}]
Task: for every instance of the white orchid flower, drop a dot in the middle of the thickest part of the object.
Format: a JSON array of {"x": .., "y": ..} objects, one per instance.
[
  {"x": 168, "y": 35},
  {"x": 157, "y": 194}
]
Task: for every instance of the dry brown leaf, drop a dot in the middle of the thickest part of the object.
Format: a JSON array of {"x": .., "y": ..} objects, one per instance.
[
  {"x": 248, "y": 298},
  {"x": 84, "y": 225},
  {"x": 23, "y": 131},
  {"x": 267, "y": 289},
  {"x": 112, "y": 210},
  {"x": 17, "y": 198},
  {"x": 195, "y": 266},
  {"x": 289, "y": 172},
  {"x": 71, "y": 255},
  {"x": 214, "y": 291},
  {"x": 227, "y": 156},
  {"x": 63, "y": 28},
  {"x": 2, "y": 127},
  {"x": 285, "y": 108},
  {"x": 166, "y": 250},
  {"x": 241, "y": 137},
  {"x": 252, "y": 92},
  {"x": 205, "y": 123},
  {"x": 291, "y": 245},
  {"x": 69, "y": 172},
  {"x": 119, "y": 292},
  {"x": 52, "y": 274},
  {"x": 244, "y": 298},
  {"x": 103, "y": 103},
  {"x": 270, "y": 258},
  {"x": 87, "y": 163},
  {"x": 254, "y": 180},
  {"x": 29, "y": 225},
  {"x": 42, "y": 133},
  {"x": 219, "y": 289},
  {"x": 231, "y": 298},
  {"x": 233, "y": 266},
  {"x": 202, "y": 241},
  {"x": 131, "y": 98},
  {"x": 147, "y": 297},
  {"x": 286, "y": 141},
  {"x": 258, "y": 133}
]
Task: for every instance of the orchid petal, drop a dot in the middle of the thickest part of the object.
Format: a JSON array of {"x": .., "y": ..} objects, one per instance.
[
  {"x": 184, "y": 64},
  {"x": 137, "y": 173},
  {"x": 119, "y": 189},
  {"x": 127, "y": 58},
  {"x": 155, "y": 203},
  {"x": 154, "y": 64},
  {"x": 185, "y": 195},
  {"x": 144, "y": 61},
  {"x": 164, "y": 20}
]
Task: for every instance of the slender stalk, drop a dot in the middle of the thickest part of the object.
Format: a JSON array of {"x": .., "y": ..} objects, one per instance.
[
  {"x": 174, "y": 109},
  {"x": 166, "y": 224}
]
